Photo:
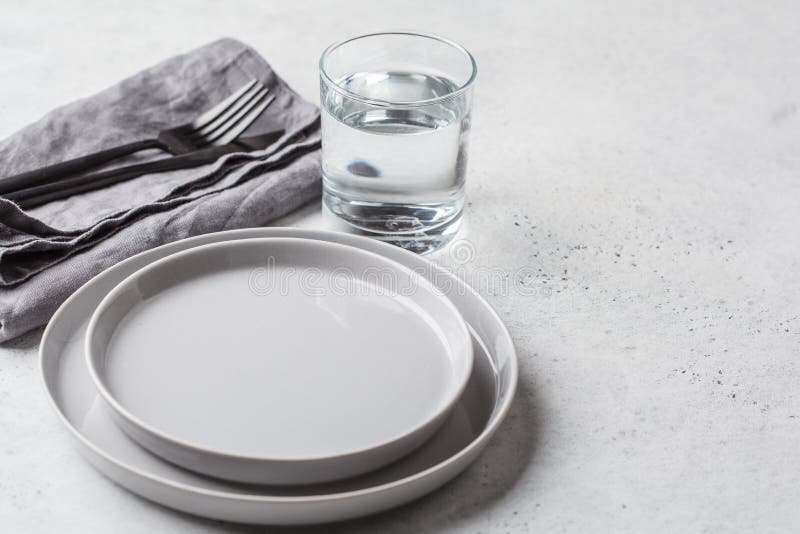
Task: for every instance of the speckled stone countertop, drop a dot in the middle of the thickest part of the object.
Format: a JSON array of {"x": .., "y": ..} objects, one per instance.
[{"x": 634, "y": 172}]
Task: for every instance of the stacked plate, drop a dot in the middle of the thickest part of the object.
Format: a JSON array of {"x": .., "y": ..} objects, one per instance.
[{"x": 279, "y": 375}]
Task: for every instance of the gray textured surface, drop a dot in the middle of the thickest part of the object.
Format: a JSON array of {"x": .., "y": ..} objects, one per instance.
[{"x": 655, "y": 159}]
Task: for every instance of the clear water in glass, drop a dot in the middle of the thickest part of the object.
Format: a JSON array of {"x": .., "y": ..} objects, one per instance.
[{"x": 399, "y": 170}]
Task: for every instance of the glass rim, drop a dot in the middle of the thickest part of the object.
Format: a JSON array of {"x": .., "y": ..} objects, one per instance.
[{"x": 388, "y": 103}]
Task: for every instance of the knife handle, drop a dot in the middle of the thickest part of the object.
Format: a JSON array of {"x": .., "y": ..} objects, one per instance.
[
  {"x": 59, "y": 170},
  {"x": 35, "y": 196}
]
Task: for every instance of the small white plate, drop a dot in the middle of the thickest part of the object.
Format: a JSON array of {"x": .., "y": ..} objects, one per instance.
[
  {"x": 477, "y": 416},
  {"x": 278, "y": 361}
]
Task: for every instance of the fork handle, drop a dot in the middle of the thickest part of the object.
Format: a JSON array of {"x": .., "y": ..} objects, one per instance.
[
  {"x": 83, "y": 163},
  {"x": 41, "y": 194}
]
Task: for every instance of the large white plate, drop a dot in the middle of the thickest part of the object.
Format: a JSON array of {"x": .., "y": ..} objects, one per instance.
[
  {"x": 339, "y": 362},
  {"x": 463, "y": 436}
]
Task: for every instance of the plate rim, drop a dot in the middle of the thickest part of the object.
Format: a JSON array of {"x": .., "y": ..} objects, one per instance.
[{"x": 502, "y": 410}]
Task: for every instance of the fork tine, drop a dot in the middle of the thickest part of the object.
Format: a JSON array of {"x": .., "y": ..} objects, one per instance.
[
  {"x": 231, "y": 121},
  {"x": 254, "y": 93},
  {"x": 243, "y": 124},
  {"x": 244, "y": 113},
  {"x": 223, "y": 106}
]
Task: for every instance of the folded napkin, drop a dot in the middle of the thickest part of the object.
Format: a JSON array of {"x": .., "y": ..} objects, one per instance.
[{"x": 46, "y": 253}]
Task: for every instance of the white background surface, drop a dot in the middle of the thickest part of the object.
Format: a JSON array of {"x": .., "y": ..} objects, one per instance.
[{"x": 639, "y": 162}]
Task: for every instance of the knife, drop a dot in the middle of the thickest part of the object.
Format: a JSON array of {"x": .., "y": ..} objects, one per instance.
[{"x": 31, "y": 197}]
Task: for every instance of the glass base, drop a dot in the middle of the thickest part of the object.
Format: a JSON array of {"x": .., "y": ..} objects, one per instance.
[{"x": 418, "y": 228}]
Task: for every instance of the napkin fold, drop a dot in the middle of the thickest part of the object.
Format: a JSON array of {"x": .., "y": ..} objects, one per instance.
[{"x": 50, "y": 251}]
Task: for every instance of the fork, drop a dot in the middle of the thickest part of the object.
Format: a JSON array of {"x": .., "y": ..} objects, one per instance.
[{"x": 218, "y": 126}]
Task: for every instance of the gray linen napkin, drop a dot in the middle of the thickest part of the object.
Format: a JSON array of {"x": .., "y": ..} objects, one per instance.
[{"x": 48, "y": 252}]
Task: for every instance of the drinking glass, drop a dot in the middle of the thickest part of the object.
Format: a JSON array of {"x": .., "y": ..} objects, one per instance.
[{"x": 395, "y": 120}]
